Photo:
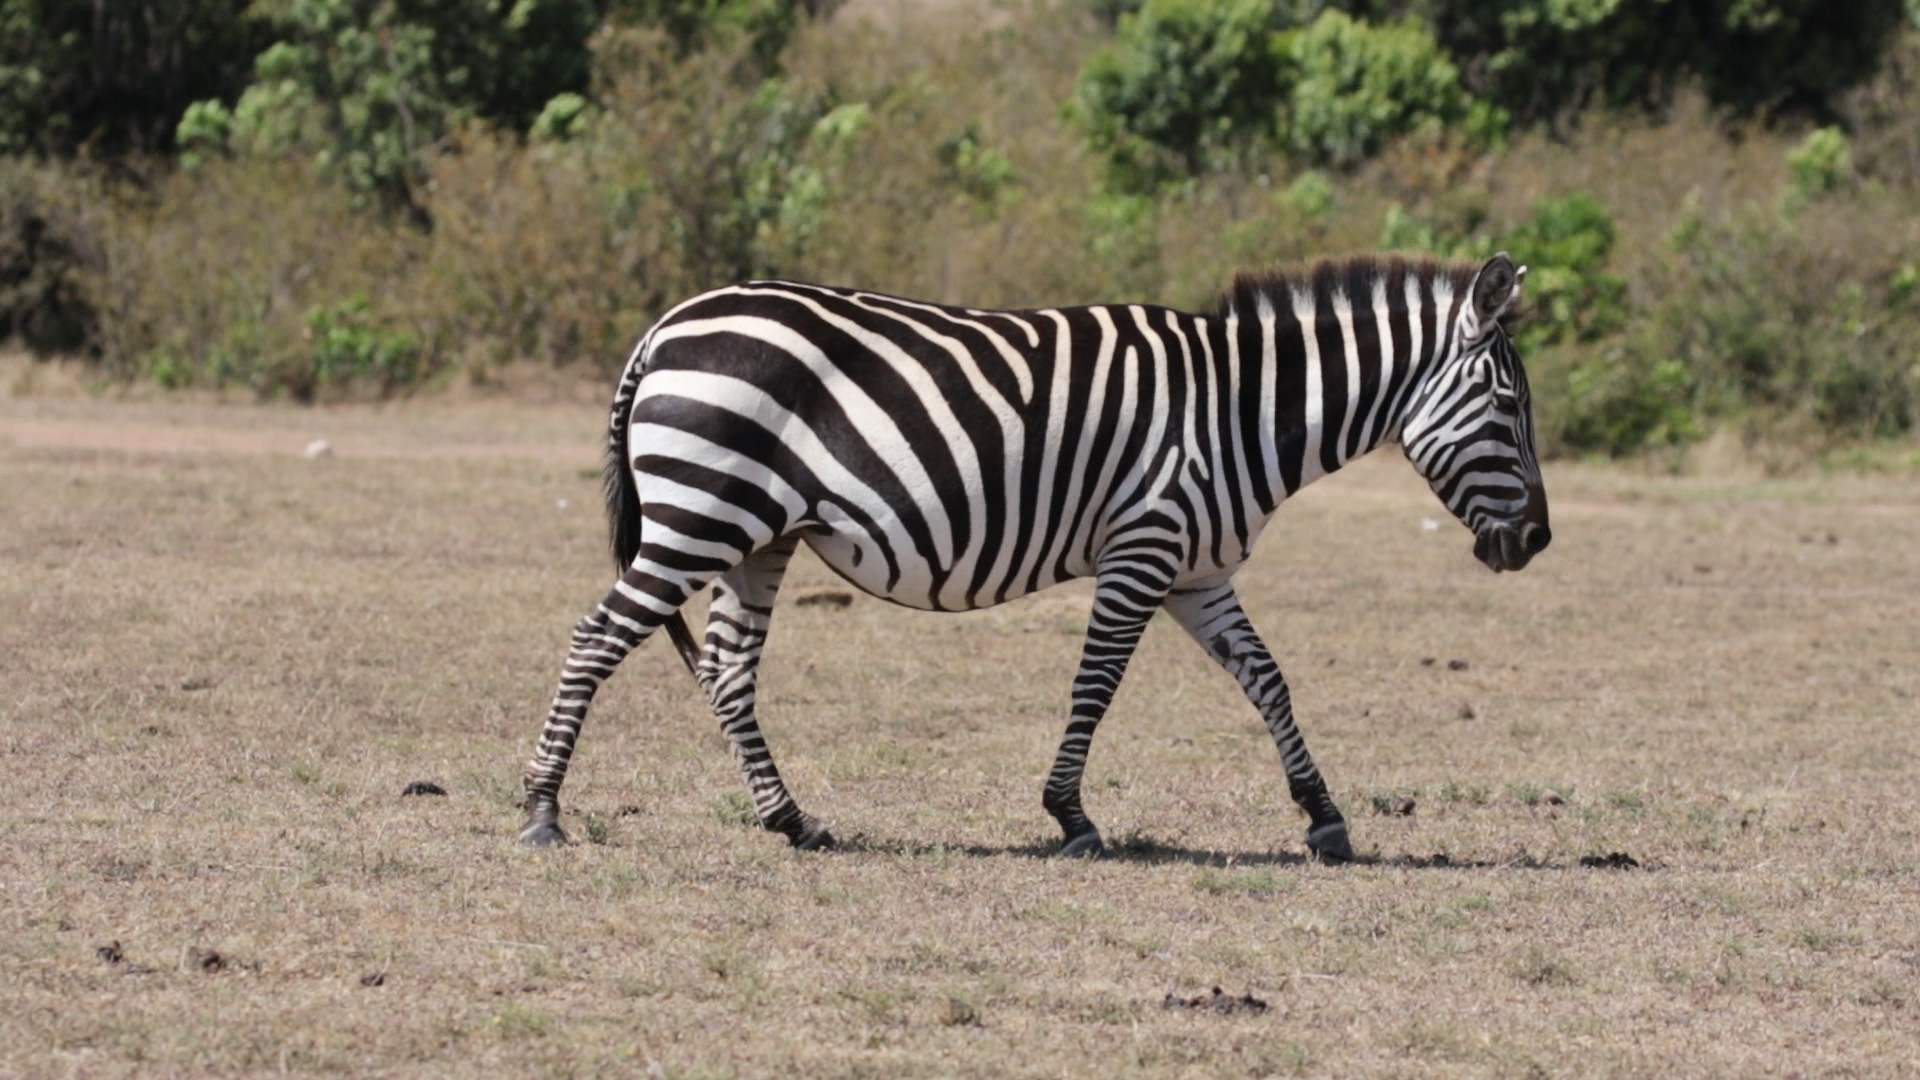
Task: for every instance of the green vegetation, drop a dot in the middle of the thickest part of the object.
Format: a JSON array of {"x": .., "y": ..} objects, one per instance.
[{"x": 336, "y": 198}]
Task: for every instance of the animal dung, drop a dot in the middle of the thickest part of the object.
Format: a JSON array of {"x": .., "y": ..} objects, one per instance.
[
  {"x": 826, "y": 598},
  {"x": 1216, "y": 1002}
]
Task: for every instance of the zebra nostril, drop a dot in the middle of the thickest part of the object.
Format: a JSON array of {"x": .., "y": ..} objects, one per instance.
[{"x": 1535, "y": 537}]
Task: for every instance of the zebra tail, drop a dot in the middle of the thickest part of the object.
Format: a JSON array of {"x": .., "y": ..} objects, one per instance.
[{"x": 623, "y": 498}]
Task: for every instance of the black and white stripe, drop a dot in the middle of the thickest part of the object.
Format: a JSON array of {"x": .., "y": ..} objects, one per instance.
[{"x": 952, "y": 459}]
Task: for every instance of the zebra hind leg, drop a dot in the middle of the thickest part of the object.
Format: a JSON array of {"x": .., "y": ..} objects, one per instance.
[
  {"x": 632, "y": 610},
  {"x": 1213, "y": 616},
  {"x": 737, "y": 625},
  {"x": 1124, "y": 599}
]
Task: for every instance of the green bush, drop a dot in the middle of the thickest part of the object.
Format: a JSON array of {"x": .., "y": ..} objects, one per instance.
[
  {"x": 349, "y": 346},
  {"x": 1547, "y": 60},
  {"x": 1625, "y": 402},
  {"x": 48, "y": 249},
  {"x": 1566, "y": 246},
  {"x": 366, "y": 88},
  {"x": 113, "y": 77},
  {"x": 1820, "y": 164},
  {"x": 1354, "y": 86},
  {"x": 1184, "y": 81},
  {"x": 766, "y": 26},
  {"x": 1570, "y": 295}
]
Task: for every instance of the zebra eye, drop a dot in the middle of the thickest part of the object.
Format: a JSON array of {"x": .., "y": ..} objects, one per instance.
[{"x": 1505, "y": 401}]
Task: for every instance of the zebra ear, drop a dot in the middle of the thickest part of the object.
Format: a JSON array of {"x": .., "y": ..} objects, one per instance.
[{"x": 1496, "y": 289}]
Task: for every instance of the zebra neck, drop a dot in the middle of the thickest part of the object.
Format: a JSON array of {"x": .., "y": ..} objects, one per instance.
[{"x": 1331, "y": 373}]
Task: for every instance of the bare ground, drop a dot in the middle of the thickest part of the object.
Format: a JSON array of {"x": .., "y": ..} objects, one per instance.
[{"x": 223, "y": 662}]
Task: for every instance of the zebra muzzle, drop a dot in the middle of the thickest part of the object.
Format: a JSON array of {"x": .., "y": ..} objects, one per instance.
[{"x": 1504, "y": 547}]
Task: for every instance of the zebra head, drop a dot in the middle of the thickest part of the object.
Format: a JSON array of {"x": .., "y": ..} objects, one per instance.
[{"x": 1469, "y": 427}]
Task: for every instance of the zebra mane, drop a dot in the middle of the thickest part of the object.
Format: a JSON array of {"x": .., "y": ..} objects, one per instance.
[{"x": 1355, "y": 276}]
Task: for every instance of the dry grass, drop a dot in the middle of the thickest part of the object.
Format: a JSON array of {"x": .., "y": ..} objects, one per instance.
[{"x": 222, "y": 667}]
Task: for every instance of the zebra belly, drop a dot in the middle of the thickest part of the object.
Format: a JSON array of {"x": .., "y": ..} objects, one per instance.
[{"x": 851, "y": 554}]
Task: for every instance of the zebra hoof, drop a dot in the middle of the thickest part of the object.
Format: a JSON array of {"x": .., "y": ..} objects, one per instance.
[
  {"x": 815, "y": 839},
  {"x": 1329, "y": 842},
  {"x": 1087, "y": 845},
  {"x": 543, "y": 834}
]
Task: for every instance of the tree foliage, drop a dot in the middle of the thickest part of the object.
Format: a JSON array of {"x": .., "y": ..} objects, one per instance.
[
  {"x": 368, "y": 86},
  {"x": 1546, "y": 59},
  {"x": 1355, "y": 85},
  {"x": 1183, "y": 79},
  {"x": 1188, "y": 83},
  {"x": 114, "y": 76}
]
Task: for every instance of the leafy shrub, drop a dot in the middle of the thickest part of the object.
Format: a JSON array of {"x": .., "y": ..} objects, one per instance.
[
  {"x": 1566, "y": 247},
  {"x": 1571, "y": 297},
  {"x": 1625, "y": 402},
  {"x": 47, "y": 249},
  {"x": 1355, "y": 85},
  {"x": 766, "y": 26},
  {"x": 366, "y": 88},
  {"x": 1184, "y": 79},
  {"x": 1791, "y": 323},
  {"x": 114, "y": 77},
  {"x": 1549, "y": 59},
  {"x": 348, "y": 346},
  {"x": 979, "y": 170},
  {"x": 1820, "y": 163}
]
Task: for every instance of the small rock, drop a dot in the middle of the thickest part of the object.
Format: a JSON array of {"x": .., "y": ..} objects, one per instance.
[
  {"x": 1466, "y": 711},
  {"x": 422, "y": 787},
  {"x": 206, "y": 960},
  {"x": 1216, "y": 1002},
  {"x": 376, "y": 978},
  {"x": 1553, "y": 798},
  {"x": 560, "y": 504},
  {"x": 1456, "y": 665},
  {"x": 110, "y": 952},
  {"x": 319, "y": 448},
  {"x": 960, "y": 1014},
  {"x": 1440, "y": 859},
  {"x": 1429, "y": 525},
  {"x": 1400, "y": 807},
  {"x": 1427, "y": 661},
  {"x": 1613, "y": 860}
]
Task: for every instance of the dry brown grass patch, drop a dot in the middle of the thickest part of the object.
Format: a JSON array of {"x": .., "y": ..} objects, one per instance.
[{"x": 223, "y": 668}]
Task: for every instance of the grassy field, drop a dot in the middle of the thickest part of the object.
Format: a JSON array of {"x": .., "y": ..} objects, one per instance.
[{"x": 223, "y": 662}]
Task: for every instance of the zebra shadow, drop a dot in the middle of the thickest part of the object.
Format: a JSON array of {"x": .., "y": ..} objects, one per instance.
[{"x": 1148, "y": 851}]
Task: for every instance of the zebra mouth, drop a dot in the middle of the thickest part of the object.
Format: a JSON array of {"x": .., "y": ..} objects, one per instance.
[{"x": 1505, "y": 547}]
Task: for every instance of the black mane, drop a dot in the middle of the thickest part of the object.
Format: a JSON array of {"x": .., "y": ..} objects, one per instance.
[{"x": 1355, "y": 276}]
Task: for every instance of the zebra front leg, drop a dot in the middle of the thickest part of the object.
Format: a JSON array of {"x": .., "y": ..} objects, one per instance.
[
  {"x": 636, "y": 606},
  {"x": 1126, "y": 593},
  {"x": 1212, "y": 614},
  {"x": 737, "y": 624}
]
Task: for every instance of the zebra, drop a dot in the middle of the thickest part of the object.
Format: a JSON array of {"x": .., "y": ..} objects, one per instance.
[{"x": 952, "y": 459}]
